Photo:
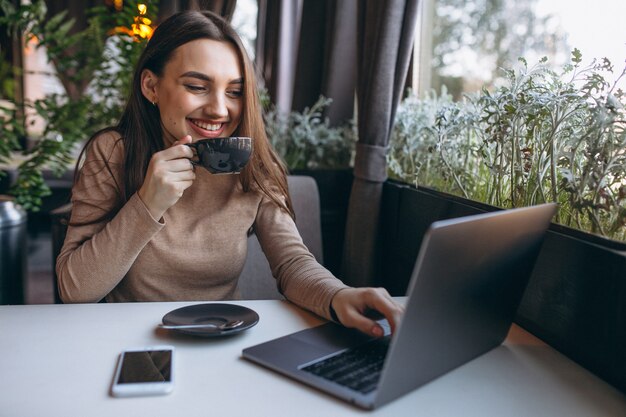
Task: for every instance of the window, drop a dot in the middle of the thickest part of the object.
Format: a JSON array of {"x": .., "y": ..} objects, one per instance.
[
  {"x": 467, "y": 43},
  {"x": 245, "y": 23},
  {"x": 543, "y": 131}
]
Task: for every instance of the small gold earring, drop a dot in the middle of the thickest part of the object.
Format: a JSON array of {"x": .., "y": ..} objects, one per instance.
[{"x": 154, "y": 103}]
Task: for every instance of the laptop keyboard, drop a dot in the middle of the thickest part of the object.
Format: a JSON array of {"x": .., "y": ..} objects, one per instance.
[{"x": 358, "y": 368}]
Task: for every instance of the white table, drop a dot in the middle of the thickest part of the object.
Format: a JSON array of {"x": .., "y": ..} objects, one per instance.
[{"x": 58, "y": 360}]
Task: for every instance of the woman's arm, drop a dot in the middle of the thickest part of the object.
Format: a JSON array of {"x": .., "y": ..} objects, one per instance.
[
  {"x": 305, "y": 282},
  {"x": 300, "y": 278},
  {"x": 97, "y": 255}
]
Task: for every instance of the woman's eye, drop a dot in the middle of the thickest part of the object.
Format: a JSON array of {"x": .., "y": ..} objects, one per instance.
[
  {"x": 191, "y": 87},
  {"x": 235, "y": 93}
]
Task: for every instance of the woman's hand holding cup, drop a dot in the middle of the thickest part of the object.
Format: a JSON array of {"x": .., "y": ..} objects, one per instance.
[{"x": 170, "y": 173}]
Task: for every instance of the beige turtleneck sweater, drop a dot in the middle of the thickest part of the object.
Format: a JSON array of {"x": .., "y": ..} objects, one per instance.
[{"x": 195, "y": 252}]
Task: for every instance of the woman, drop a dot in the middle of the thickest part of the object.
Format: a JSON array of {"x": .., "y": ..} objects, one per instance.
[{"x": 146, "y": 226}]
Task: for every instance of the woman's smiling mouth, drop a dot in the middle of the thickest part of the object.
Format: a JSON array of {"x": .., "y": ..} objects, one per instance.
[{"x": 206, "y": 129}]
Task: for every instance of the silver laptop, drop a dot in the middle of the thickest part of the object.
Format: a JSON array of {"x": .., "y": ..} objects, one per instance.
[{"x": 466, "y": 286}]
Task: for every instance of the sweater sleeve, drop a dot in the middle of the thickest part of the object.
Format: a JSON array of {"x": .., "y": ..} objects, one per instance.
[
  {"x": 301, "y": 279},
  {"x": 97, "y": 254}
]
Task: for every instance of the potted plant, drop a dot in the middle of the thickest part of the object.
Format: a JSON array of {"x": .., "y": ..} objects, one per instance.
[
  {"x": 543, "y": 136},
  {"x": 93, "y": 65}
]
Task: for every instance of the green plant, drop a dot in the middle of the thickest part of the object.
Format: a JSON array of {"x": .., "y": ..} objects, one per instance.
[
  {"x": 543, "y": 136},
  {"x": 6, "y": 79},
  {"x": 305, "y": 140},
  {"x": 94, "y": 66}
]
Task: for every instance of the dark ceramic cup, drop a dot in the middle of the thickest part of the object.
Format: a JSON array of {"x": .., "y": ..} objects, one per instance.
[{"x": 222, "y": 155}]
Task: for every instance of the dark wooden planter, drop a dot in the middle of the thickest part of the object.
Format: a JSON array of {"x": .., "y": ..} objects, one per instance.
[
  {"x": 334, "y": 187},
  {"x": 576, "y": 297}
]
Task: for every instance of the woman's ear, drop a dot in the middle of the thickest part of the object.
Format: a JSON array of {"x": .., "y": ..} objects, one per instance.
[{"x": 148, "y": 86}]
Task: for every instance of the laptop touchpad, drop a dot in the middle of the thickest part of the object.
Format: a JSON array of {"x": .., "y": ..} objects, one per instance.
[{"x": 332, "y": 336}]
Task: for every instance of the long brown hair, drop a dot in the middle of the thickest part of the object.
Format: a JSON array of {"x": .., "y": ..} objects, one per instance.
[{"x": 140, "y": 124}]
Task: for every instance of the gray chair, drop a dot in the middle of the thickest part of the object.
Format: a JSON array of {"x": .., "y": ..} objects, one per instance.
[{"x": 255, "y": 281}]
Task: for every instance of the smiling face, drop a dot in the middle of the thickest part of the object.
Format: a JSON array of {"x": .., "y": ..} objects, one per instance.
[{"x": 200, "y": 92}]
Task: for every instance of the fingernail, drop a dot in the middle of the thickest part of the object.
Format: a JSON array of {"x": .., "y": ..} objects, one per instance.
[{"x": 377, "y": 331}]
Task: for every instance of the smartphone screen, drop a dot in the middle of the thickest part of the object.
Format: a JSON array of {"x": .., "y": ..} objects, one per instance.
[
  {"x": 146, "y": 366},
  {"x": 144, "y": 372}
]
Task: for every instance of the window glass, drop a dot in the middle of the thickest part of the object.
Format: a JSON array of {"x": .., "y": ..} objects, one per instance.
[
  {"x": 245, "y": 22},
  {"x": 546, "y": 127},
  {"x": 471, "y": 41}
]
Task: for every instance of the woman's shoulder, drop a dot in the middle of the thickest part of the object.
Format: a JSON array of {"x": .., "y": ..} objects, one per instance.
[
  {"x": 106, "y": 144},
  {"x": 273, "y": 189}
]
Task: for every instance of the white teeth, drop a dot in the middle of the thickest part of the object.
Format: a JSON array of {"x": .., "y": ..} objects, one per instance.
[{"x": 207, "y": 126}]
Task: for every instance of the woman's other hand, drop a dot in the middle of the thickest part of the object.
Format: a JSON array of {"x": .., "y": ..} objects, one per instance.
[
  {"x": 352, "y": 304},
  {"x": 170, "y": 173}
]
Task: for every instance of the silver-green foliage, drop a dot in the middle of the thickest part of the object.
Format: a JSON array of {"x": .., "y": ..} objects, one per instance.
[
  {"x": 305, "y": 140},
  {"x": 543, "y": 136}
]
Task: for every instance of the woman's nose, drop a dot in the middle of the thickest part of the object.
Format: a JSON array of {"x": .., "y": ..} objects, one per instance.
[{"x": 216, "y": 106}]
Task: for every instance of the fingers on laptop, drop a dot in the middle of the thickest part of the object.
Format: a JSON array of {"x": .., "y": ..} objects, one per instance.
[
  {"x": 379, "y": 300},
  {"x": 354, "y": 305}
]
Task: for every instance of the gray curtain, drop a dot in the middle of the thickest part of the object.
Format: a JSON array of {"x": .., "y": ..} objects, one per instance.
[
  {"x": 385, "y": 40},
  {"x": 307, "y": 48},
  {"x": 278, "y": 31},
  {"x": 326, "y": 62}
]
